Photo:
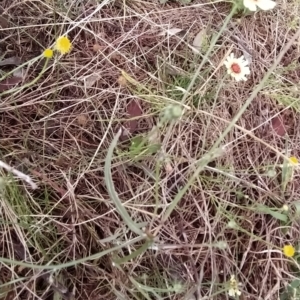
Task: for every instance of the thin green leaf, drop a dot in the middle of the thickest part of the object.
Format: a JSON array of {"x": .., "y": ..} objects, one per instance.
[
  {"x": 70, "y": 263},
  {"x": 275, "y": 214},
  {"x": 138, "y": 287},
  {"x": 170, "y": 287},
  {"x": 111, "y": 189},
  {"x": 287, "y": 174},
  {"x": 133, "y": 254},
  {"x": 142, "y": 288},
  {"x": 297, "y": 206}
]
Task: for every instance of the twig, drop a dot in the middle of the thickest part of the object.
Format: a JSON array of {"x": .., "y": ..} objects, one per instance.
[{"x": 19, "y": 174}]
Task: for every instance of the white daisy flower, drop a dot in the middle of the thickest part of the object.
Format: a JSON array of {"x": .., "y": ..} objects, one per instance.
[
  {"x": 262, "y": 4},
  {"x": 237, "y": 67}
]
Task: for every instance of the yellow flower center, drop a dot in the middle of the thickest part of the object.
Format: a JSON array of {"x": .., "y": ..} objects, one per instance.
[
  {"x": 294, "y": 160},
  {"x": 289, "y": 250}
]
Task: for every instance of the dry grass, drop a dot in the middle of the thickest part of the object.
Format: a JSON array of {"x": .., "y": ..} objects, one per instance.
[{"x": 59, "y": 130}]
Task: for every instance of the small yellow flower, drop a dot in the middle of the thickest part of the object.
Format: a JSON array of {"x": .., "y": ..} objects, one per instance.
[
  {"x": 63, "y": 45},
  {"x": 288, "y": 250},
  {"x": 48, "y": 53},
  {"x": 294, "y": 160}
]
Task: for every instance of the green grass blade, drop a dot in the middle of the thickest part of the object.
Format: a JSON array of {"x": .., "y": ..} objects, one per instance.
[
  {"x": 132, "y": 255},
  {"x": 111, "y": 189},
  {"x": 70, "y": 263}
]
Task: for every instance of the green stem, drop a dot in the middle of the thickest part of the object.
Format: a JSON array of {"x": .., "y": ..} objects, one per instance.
[
  {"x": 17, "y": 68},
  {"x": 211, "y": 47},
  {"x": 70, "y": 263},
  {"x": 27, "y": 84},
  {"x": 215, "y": 151},
  {"x": 212, "y": 154}
]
